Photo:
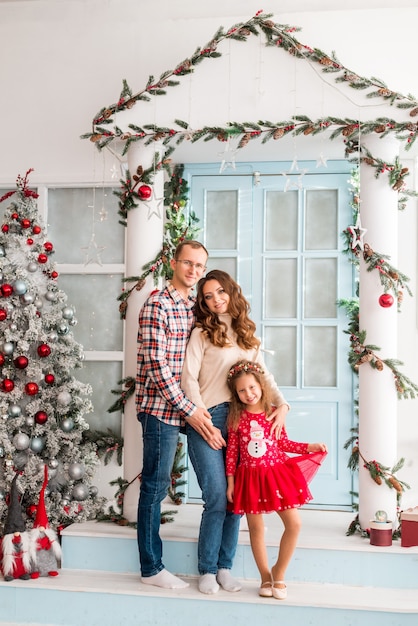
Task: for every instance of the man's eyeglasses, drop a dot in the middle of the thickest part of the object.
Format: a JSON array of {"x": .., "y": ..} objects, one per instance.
[{"x": 199, "y": 267}]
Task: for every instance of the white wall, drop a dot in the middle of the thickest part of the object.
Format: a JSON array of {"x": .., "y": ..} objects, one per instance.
[{"x": 60, "y": 62}]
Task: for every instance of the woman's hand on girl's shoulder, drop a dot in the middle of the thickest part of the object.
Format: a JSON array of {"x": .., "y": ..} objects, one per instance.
[{"x": 278, "y": 418}]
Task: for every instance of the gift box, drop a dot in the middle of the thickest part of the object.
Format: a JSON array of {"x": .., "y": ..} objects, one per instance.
[
  {"x": 380, "y": 533},
  {"x": 409, "y": 527}
]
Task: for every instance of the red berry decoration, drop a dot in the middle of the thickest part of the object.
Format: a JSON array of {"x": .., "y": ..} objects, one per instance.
[
  {"x": 48, "y": 246},
  {"x": 5, "y": 228},
  {"x": 6, "y": 290},
  {"x": 31, "y": 510},
  {"x": 42, "y": 258},
  {"x": 25, "y": 223},
  {"x": 36, "y": 230},
  {"x": 386, "y": 300},
  {"x": 3, "y": 315},
  {"x": 31, "y": 389},
  {"x": 49, "y": 379},
  {"x": 41, "y": 417},
  {"x": 21, "y": 362},
  {"x": 145, "y": 192},
  {"x": 7, "y": 385},
  {"x": 44, "y": 350}
]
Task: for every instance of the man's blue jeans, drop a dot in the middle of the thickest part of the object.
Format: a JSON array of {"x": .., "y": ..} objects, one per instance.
[
  {"x": 160, "y": 444},
  {"x": 218, "y": 535}
]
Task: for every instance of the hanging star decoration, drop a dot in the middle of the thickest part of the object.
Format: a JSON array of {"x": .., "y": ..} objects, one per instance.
[
  {"x": 228, "y": 157},
  {"x": 114, "y": 172},
  {"x": 294, "y": 176},
  {"x": 154, "y": 208},
  {"x": 321, "y": 160},
  {"x": 93, "y": 252},
  {"x": 357, "y": 234}
]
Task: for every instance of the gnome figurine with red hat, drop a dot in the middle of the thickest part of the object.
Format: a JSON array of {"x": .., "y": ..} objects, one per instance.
[
  {"x": 44, "y": 539},
  {"x": 16, "y": 555}
]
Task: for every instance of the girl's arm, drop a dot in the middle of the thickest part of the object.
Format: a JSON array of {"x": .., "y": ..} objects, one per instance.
[{"x": 230, "y": 488}]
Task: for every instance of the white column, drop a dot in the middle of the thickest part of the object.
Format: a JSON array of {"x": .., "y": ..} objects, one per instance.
[
  {"x": 378, "y": 396},
  {"x": 144, "y": 238}
]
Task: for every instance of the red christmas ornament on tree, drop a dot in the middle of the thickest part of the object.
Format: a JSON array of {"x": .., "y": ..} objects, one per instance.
[
  {"x": 3, "y": 315},
  {"x": 41, "y": 417},
  {"x": 29, "y": 241},
  {"x": 7, "y": 385},
  {"x": 145, "y": 192},
  {"x": 49, "y": 379},
  {"x": 48, "y": 246},
  {"x": 36, "y": 230},
  {"x": 6, "y": 290},
  {"x": 44, "y": 350},
  {"x": 386, "y": 300},
  {"x": 21, "y": 362},
  {"x": 25, "y": 223},
  {"x": 2, "y": 359},
  {"x": 31, "y": 389},
  {"x": 5, "y": 228},
  {"x": 42, "y": 258}
]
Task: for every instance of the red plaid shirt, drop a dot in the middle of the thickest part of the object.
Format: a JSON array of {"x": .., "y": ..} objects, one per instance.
[{"x": 165, "y": 323}]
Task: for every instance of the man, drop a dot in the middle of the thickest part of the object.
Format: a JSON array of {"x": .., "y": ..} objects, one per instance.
[{"x": 165, "y": 324}]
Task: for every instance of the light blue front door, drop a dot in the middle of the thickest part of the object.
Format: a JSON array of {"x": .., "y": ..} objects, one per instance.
[{"x": 278, "y": 233}]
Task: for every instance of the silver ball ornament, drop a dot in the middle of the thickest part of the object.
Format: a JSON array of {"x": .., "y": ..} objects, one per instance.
[
  {"x": 67, "y": 313},
  {"x": 53, "y": 463},
  {"x": 13, "y": 327},
  {"x": 2, "y": 251},
  {"x": 51, "y": 296},
  {"x": 32, "y": 267},
  {"x": 14, "y": 410},
  {"x": 67, "y": 425},
  {"x": 21, "y": 441},
  {"x": 64, "y": 398},
  {"x": 29, "y": 421},
  {"x": 38, "y": 303},
  {"x": 80, "y": 492},
  {"x": 73, "y": 322},
  {"x": 93, "y": 491},
  {"x": 76, "y": 471},
  {"x": 62, "y": 329},
  {"x": 8, "y": 348},
  {"x": 37, "y": 444},
  {"x": 20, "y": 287},
  {"x": 27, "y": 298},
  {"x": 53, "y": 336}
]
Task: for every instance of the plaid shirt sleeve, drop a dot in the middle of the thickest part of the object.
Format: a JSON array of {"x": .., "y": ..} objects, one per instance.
[{"x": 165, "y": 323}]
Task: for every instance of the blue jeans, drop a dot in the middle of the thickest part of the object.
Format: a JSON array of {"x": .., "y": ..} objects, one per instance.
[
  {"x": 218, "y": 534},
  {"x": 160, "y": 444}
]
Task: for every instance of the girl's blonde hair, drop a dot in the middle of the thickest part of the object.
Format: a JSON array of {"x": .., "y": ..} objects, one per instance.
[
  {"x": 238, "y": 309},
  {"x": 239, "y": 369}
]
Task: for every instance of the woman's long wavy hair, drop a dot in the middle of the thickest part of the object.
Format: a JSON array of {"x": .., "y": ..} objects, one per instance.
[{"x": 238, "y": 309}]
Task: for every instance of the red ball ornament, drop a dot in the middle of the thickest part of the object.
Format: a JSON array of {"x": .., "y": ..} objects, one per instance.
[
  {"x": 29, "y": 241},
  {"x": 31, "y": 389},
  {"x": 15, "y": 216},
  {"x": 48, "y": 246},
  {"x": 54, "y": 274},
  {"x": 2, "y": 359},
  {"x": 25, "y": 223},
  {"x": 42, "y": 258},
  {"x": 21, "y": 362},
  {"x": 49, "y": 379},
  {"x": 44, "y": 350},
  {"x": 36, "y": 230},
  {"x": 6, "y": 290},
  {"x": 145, "y": 192},
  {"x": 3, "y": 314},
  {"x": 41, "y": 417},
  {"x": 31, "y": 511},
  {"x": 386, "y": 300},
  {"x": 5, "y": 228},
  {"x": 7, "y": 385}
]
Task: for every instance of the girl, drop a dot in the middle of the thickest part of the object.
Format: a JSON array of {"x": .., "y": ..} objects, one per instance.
[
  {"x": 223, "y": 334},
  {"x": 261, "y": 477}
]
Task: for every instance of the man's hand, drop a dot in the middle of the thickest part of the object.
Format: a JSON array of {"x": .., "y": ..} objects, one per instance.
[
  {"x": 277, "y": 419},
  {"x": 201, "y": 421}
]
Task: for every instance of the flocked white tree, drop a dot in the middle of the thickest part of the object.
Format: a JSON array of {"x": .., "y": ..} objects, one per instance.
[{"x": 42, "y": 404}]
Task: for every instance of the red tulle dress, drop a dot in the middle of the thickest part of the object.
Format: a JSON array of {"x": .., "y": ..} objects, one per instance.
[{"x": 266, "y": 478}]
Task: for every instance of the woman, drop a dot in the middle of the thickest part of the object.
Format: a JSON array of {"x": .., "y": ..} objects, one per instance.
[{"x": 223, "y": 335}]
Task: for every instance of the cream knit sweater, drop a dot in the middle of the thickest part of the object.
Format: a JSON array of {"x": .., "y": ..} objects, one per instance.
[{"x": 206, "y": 368}]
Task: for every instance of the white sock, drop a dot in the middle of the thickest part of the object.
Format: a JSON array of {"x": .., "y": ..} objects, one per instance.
[
  {"x": 208, "y": 584},
  {"x": 227, "y": 582},
  {"x": 165, "y": 580}
]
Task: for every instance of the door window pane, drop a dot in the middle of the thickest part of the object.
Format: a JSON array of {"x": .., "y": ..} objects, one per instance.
[
  {"x": 103, "y": 377},
  {"x": 221, "y": 220},
  {"x": 281, "y": 220},
  {"x": 282, "y": 363},
  {"x": 82, "y": 226},
  {"x": 321, "y": 228},
  {"x": 281, "y": 288},
  {"x": 320, "y": 287},
  {"x": 94, "y": 297},
  {"x": 320, "y": 367}
]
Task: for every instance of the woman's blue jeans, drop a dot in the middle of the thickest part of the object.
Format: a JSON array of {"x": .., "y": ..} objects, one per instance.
[
  {"x": 160, "y": 445},
  {"x": 218, "y": 534}
]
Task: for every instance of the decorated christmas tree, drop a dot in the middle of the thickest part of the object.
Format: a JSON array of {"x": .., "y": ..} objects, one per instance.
[{"x": 42, "y": 404}]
